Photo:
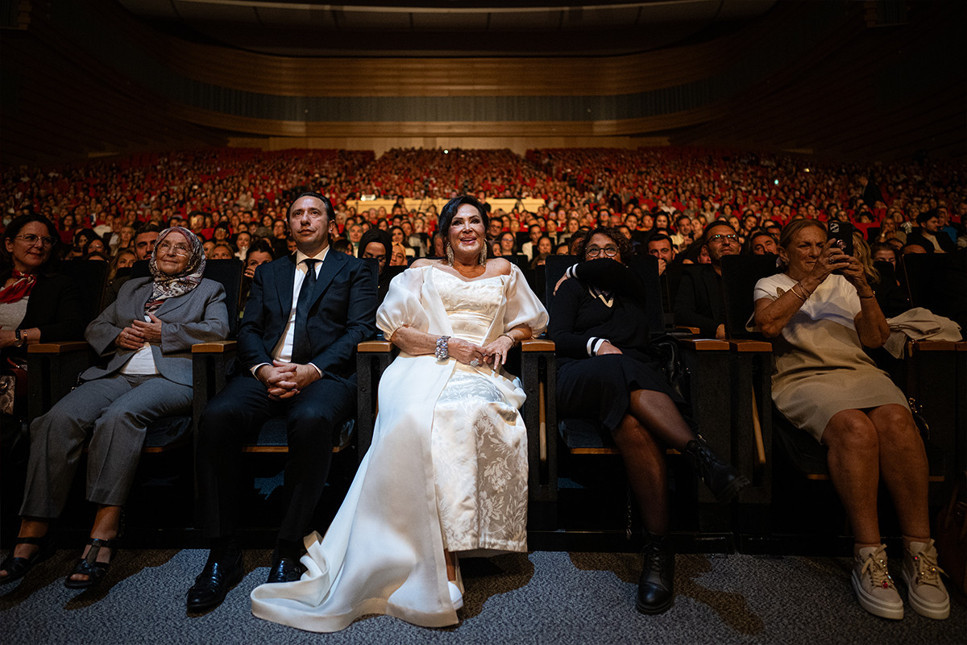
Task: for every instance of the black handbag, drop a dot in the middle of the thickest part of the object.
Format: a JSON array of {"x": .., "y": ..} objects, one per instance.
[{"x": 950, "y": 534}]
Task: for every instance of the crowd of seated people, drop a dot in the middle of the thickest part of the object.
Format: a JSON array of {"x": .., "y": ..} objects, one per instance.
[
  {"x": 688, "y": 208},
  {"x": 663, "y": 199}
]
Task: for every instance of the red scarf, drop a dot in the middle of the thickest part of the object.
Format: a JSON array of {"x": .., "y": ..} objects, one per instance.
[{"x": 19, "y": 289}]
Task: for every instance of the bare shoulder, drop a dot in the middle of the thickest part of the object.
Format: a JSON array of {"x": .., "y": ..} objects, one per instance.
[
  {"x": 423, "y": 262},
  {"x": 499, "y": 266}
]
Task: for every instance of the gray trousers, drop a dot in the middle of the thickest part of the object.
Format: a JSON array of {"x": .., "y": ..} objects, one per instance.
[{"x": 116, "y": 411}]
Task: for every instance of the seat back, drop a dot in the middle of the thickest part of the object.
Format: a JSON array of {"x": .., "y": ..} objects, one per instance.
[
  {"x": 554, "y": 268},
  {"x": 385, "y": 278},
  {"x": 646, "y": 268},
  {"x": 938, "y": 282},
  {"x": 739, "y": 275},
  {"x": 518, "y": 259},
  {"x": 90, "y": 279}
]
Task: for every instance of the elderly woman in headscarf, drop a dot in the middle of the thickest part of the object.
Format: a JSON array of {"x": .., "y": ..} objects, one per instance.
[{"x": 148, "y": 333}]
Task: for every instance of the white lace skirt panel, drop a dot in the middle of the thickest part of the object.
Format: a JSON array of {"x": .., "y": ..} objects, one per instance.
[{"x": 479, "y": 450}]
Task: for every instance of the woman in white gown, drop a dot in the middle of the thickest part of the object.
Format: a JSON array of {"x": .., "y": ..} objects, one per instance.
[{"x": 447, "y": 470}]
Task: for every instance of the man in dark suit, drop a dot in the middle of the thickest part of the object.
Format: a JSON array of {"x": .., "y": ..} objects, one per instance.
[
  {"x": 699, "y": 302},
  {"x": 296, "y": 347}
]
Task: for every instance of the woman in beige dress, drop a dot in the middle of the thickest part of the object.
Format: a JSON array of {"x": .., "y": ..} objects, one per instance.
[{"x": 825, "y": 384}]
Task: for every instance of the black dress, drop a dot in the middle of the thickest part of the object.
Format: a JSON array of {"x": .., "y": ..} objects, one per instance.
[{"x": 598, "y": 387}]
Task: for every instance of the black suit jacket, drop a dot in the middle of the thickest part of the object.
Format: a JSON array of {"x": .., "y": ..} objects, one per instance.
[
  {"x": 699, "y": 301},
  {"x": 342, "y": 312},
  {"x": 917, "y": 237}
]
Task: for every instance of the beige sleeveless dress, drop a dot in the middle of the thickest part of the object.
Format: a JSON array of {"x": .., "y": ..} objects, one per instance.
[{"x": 820, "y": 365}]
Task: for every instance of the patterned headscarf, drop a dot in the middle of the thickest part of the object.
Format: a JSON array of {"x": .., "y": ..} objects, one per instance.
[{"x": 171, "y": 286}]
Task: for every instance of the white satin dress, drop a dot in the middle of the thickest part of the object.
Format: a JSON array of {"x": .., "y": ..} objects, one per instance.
[{"x": 447, "y": 468}]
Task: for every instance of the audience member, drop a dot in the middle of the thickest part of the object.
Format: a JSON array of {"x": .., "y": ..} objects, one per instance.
[
  {"x": 421, "y": 496},
  {"x": 699, "y": 302},
  {"x": 660, "y": 246},
  {"x": 929, "y": 236},
  {"x": 760, "y": 242},
  {"x": 149, "y": 376},
  {"x": 825, "y": 384},
  {"x": 297, "y": 359},
  {"x": 36, "y": 302},
  {"x": 222, "y": 251},
  {"x": 605, "y": 373}
]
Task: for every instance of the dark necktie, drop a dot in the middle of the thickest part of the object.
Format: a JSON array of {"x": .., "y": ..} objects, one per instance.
[{"x": 301, "y": 346}]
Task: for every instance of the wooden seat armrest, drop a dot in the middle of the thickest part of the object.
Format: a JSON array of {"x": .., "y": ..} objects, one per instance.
[
  {"x": 705, "y": 344},
  {"x": 58, "y": 348},
  {"x": 750, "y": 346},
  {"x": 691, "y": 330},
  {"x": 374, "y": 346},
  {"x": 537, "y": 345},
  {"x": 932, "y": 346},
  {"x": 214, "y": 347}
]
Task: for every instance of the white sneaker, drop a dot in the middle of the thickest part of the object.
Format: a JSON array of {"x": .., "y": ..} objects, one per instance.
[
  {"x": 873, "y": 585},
  {"x": 455, "y": 596},
  {"x": 920, "y": 572}
]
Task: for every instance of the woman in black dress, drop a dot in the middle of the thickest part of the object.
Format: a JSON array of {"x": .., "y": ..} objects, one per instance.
[{"x": 599, "y": 324}]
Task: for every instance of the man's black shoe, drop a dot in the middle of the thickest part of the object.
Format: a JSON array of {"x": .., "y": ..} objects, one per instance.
[
  {"x": 656, "y": 586},
  {"x": 214, "y": 581},
  {"x": 285, "y": 570}
]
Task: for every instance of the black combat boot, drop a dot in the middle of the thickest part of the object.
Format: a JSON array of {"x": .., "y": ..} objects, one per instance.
[
  {"x": 722, "y": 479},
  {"x": 655, "y": 586}
]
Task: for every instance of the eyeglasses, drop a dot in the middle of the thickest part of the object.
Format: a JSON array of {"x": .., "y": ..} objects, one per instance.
[
  {"x": 731, "y": 237},
  {"x": 32, "y": 239},
  {"x": 177, "y": 249},
  {"x": 595, "y": 251}
]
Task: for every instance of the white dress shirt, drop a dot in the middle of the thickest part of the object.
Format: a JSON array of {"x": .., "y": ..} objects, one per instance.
[{"x": 283, "y": 349}]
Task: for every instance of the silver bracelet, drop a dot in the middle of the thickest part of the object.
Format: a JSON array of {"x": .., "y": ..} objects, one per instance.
[{"x": 442, "y": 352}]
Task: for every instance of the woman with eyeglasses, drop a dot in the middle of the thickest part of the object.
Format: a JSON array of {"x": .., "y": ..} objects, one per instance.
[
  {"x": 605, "y": 373},
  {"x": 149, "y": 331},
  {"x": 36, "y": 303}
]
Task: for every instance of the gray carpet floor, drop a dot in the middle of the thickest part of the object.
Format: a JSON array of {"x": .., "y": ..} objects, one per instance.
[{"x": 541, "y": 597}]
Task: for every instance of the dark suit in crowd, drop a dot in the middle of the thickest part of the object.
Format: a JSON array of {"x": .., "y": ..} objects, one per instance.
[
  {"x": 699, "y": 302},
  {"x": 341, "y": 313}
]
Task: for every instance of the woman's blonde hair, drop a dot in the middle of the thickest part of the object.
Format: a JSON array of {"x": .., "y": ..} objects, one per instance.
[{"x": 862, "y": 252}]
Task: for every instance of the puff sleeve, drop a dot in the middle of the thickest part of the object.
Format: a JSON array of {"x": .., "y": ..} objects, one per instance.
[
  {"x": 523, "y": 306},
  {"x": 403, "y": 306}
]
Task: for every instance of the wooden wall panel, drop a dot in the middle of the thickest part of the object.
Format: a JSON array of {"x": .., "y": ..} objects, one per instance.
[
  {"x": 436, "y": 129},
  {"x": 379, "y": 145},
  {"x": 848, "y": 90}
]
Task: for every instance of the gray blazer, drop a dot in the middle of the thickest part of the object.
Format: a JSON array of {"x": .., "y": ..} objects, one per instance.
[{"x": 197, "y": 317}]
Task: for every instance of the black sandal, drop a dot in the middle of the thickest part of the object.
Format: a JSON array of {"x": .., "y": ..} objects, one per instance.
[
  {"x": 17, "y": 568},
  {"x": 90, "y": 567}
]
